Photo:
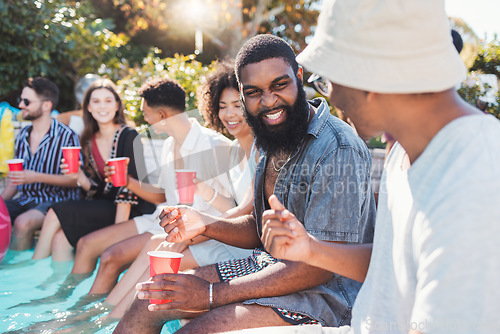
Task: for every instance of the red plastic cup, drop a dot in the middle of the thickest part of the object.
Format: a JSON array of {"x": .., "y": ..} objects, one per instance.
[
  {"x": 185, "y": 185},
  {"x": 15, "y": 165},
  {"x": 72, "y": 158},
  {"x": 119, "y": 178},
  {"x": 163, "y": 262}
]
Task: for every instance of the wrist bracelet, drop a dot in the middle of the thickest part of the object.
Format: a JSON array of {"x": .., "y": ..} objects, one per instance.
[
  {"x": 211, "y": 296},
  {"x": 213, "y": 197}
]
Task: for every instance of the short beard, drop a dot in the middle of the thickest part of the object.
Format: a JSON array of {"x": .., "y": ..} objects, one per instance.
[
  {"x": 285, "y": 137},
  {"x": 35, "y": 116}
]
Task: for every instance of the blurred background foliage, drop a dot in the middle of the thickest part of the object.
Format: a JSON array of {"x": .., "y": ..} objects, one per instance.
[
  {"x": 185, "y": 69},
  {"x": 130, "y": 41}
]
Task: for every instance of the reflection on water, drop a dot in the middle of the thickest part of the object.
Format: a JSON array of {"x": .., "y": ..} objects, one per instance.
[{"x": 39, "y": 296}]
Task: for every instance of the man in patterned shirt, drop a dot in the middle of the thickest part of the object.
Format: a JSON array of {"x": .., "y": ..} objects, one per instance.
[{"x": 40, "y": 183}]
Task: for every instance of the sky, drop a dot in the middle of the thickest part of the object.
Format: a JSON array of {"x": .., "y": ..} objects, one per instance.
[{"x": 483, "y": 16}]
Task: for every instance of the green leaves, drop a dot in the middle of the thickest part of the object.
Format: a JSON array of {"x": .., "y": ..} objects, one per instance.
[{"x": 185, "y": 69}]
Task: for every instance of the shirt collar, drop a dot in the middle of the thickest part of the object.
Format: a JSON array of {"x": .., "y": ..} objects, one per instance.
[
  {"x": 192, "y": 140},
  {"x": 320, "y": 117}
]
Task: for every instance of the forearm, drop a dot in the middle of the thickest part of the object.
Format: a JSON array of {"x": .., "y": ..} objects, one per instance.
[
  {"x": 280, "y": 279},
  {"x": 244, "y": 208},
  {"x": 218, "y": 201},
  {"x": 348, "y": 260},
  {"x": 122, "y": 212},
  {"x": 56, "y": 180},
  {"x": 240, "y": 232},
  {"x": 146, "y": 191},
  {"x": 9, "y": 192}
]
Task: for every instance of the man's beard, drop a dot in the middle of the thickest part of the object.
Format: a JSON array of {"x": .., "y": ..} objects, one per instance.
[
  {"x": 284, "y": 137},
  {"x": 33, "y": 116}
]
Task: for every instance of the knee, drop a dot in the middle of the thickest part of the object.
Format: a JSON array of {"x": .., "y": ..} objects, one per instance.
[
  {"x": 110, "y": 259},
  {"x": 23, "y": 226},
  {"x": 84, "y": 246},
  {"x": 59, "y": 241}
]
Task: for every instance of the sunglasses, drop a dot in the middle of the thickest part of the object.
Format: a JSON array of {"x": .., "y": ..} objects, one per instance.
[
  {"x": 26, "y": 101},
  {"x": 319, "y": 84}
]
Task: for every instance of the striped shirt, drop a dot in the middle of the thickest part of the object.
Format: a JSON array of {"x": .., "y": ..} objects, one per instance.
[{"x": 46, "y": 159}]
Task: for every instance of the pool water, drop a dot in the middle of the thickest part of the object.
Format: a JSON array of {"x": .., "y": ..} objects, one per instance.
[{"x": 25, "y": 282}]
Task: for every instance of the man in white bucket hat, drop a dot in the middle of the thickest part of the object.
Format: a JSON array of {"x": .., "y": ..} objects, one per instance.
[{"x": 390, "y": 65}]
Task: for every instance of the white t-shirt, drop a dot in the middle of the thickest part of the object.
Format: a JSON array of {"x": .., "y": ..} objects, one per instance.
[
  {"x": 204, "y": 151},
  {"x": 435, "y": 266},
  {"x": 241, "y": 179}
]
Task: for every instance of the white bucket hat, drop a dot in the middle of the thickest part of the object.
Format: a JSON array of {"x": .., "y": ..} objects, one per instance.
[{"x": 385, "y": 46}]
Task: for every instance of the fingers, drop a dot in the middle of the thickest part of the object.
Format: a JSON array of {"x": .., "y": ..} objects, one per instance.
[
  {"x": 169, "y": 215},
  {"x": 275, "y": 204},
  {"x": 275, "y": 229}
]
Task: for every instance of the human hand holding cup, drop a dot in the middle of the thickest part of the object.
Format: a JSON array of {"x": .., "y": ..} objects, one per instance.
[
  {"x": 71, "y": 155},
  {"x": 15, "y": 166},
  {"x": 118, "y": 171},
  {"x": 163, "y": 262},
  {"x": 185, "y": 185}
]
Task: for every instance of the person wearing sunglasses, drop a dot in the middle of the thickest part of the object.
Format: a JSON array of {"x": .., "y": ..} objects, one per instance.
[{"x": 40, "y": 183}]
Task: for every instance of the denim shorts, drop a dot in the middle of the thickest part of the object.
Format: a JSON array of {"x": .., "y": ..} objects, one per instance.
[
  {"x": 16, "y": 209},
  {"x": 231, "y": 269}
]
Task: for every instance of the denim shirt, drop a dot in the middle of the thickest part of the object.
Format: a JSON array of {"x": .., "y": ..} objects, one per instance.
[{"x": 326, "y": 184}]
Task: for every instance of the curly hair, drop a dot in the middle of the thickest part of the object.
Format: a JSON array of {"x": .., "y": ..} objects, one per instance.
[
  {"x": 262, "y": 47},
  {"x": 209, "y": 93},
  {"x": 164, "y": 92}
]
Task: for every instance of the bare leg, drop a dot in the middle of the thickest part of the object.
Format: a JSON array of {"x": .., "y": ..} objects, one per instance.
[
  {"x": 134, "y": 273},
  {"x": 233, "y": 317},
  {"x": 50, "y": 227},
  {"x": 25, "y": 226},
  {"x": 91, "y": 246},
  {"x": 61, "y": 248},
  {"x": 114, "y": 260},
  {"x": 121, "y": 307}
]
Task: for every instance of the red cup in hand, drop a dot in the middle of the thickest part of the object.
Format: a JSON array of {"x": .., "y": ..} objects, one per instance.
[
  {"x": 119, "y": 178},
  {"x": 163, "y": 262},
  {"x": 185, "y": 185},
  {"x": 71, "y": 157}
]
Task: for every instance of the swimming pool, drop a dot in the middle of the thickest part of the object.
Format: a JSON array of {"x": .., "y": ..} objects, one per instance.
[{"x": 24, "y": 283}]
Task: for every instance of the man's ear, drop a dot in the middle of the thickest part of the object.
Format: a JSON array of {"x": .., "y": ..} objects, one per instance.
[
  {"x": 300, "y": 74},
  {"x": 163, "y": 113},
  {"x": 47, "y": 105},
  {"x": 370, "y": 96}
]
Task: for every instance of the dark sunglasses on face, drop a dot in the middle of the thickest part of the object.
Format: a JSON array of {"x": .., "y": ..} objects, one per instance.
[
  {"x": 319, "y": 84},
  {"x": 26, "y": 101}
]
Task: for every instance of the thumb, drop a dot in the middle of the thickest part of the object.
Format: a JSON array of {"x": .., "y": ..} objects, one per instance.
[{"x": 275, "y": 204}]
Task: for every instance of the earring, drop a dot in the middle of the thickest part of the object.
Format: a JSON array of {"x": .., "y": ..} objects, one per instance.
[{"x": 162, "y": 122}]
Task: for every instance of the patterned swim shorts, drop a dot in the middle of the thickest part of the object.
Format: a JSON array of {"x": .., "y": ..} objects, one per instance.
[{"x": 259, "y": 260}]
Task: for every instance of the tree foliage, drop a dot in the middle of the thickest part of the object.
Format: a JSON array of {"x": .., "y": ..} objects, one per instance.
[
  {"x": 488, "y": 58},
  {"x": 171, "y": 24},
  {"x": 60, "y": 39},
  {"x": 33, "y": 42},
  {"x": 185, "y": 69}
]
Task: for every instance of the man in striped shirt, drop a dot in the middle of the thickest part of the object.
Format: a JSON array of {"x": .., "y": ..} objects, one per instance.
[{"x": 40, "y": 183}]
